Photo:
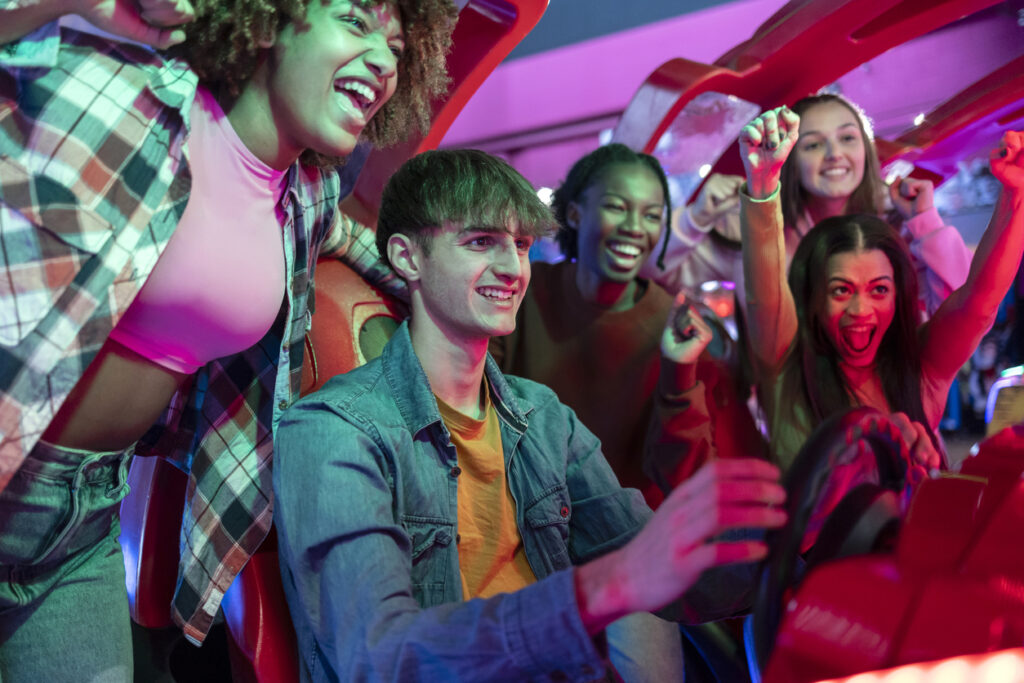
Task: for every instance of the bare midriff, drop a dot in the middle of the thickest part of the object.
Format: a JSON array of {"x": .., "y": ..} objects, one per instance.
[{"x": 115, "y": 402}]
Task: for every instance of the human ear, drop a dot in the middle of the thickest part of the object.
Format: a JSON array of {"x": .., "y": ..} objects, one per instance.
[
  {"x": 573, "y": 215},
  {"x": 404, "y": 255}
]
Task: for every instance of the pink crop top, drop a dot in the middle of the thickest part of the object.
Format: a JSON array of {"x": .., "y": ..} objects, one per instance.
[{"x": 219, "y": 283}]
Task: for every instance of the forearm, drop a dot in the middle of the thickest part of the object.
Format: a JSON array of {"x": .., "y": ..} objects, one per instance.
[
  {"x": 679, "y": 436},
  {"x": 771, "y": 313},
  {"x": 526, "y": 635},
  {"x": 18, "y": 18},
  {"x": 941, "y": 253},
  {"x": 998, "y": 254},
  {"x": 956, "y": 328},
  {"x": 692, "y": 256}
]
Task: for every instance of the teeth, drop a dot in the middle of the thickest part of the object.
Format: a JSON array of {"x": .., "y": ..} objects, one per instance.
[
  {"x": 361, "y": 89},
  {"x": 835, "y": 171},
  {"x": 625, "y": 249},
  {"x": 495, "y": 293}
]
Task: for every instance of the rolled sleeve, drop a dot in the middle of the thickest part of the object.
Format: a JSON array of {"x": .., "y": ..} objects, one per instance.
[{"x": 37, "y": 50}]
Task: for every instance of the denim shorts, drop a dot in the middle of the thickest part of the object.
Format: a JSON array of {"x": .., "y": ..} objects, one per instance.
[{"x": 58, "y": 506}]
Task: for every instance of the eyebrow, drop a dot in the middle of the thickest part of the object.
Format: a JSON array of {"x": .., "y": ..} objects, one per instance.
[
  {"x": 611, "y": 193},
  {"x": 818, "y": 132},
  {"x": 874, "y": 279},
  {"x": 489, "y": 229},
  {"x": 367, "y": 8}
]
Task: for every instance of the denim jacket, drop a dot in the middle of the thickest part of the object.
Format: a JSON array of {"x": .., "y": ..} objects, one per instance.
[{"x": 366, "y": 482}]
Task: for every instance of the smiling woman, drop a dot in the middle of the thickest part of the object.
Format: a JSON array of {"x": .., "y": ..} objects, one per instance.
[
  {"x": 844, "y": 330},
  {"x": 224, "y": 46},
  {"x": 203, "y": 180},
  {"x": 590, "y": 327}
]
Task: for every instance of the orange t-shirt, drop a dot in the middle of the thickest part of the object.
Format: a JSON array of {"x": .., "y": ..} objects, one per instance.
[{"x": 491, "y": 555}]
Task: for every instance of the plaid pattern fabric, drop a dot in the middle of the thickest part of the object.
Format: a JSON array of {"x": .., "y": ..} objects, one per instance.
[{"x": 93, "y": 180}]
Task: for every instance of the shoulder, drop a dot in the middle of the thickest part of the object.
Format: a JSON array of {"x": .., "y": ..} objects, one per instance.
[
  {"x": 546, "y": 278},
  {"x": 354, "y": 394},
  {"x": 534, "y": 394},
  {"x": 546, "y": 415}
]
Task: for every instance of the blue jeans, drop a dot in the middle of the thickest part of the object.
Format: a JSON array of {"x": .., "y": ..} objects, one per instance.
[{"x": 63, "y": 603}]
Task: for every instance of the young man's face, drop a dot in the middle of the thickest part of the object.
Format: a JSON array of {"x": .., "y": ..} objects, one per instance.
[
  {"x": 329, "y": 75},
  {"x": 472, "y": 280}
]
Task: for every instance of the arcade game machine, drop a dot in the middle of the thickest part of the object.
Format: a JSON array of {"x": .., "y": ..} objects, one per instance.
[{"x": 901, "y": 574}]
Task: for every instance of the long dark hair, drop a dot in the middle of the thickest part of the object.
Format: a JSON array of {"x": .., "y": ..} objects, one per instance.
[
  {"x": 584, "y": 173},
  {"x": 869, "y": 197},
  {"x": 813, "y": 379}
]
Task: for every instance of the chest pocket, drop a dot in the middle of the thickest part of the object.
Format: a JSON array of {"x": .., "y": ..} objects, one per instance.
[
  {"x": 547, "y": 519},
  {"x": 432, "y": 540}
]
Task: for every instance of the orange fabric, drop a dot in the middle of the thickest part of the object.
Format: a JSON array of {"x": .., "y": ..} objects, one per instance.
[{"x": 492, "y": 559}]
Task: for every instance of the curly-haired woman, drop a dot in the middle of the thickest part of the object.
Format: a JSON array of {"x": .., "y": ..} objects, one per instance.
[{"x": 161, "y": 214}]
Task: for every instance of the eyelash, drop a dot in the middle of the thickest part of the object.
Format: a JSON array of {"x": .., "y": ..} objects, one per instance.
[{"x": 354, "y": 21}]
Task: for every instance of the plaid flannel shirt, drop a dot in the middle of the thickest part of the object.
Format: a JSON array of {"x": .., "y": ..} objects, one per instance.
[{"x": 93, "y": 179}]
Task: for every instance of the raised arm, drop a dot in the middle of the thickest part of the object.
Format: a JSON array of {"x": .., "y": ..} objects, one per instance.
[
  {"x": 942, "y": 258},
  {"x": 771, "y": 314},
  {"x": 699, "y": 247},
  {"x": 953, "y": 333},
  {"x": 147, "y": 21},
  {"x": 679, "y": 438}
]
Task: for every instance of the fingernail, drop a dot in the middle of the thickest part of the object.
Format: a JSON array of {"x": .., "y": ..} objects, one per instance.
[{"x": 177, "y": 36}]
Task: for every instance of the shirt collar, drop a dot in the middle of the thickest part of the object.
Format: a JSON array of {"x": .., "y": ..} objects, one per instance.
[{"x": 415, "y": 400}]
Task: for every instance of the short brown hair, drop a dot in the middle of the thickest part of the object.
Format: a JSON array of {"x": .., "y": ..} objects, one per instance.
[{"x": 464, "y": 187}]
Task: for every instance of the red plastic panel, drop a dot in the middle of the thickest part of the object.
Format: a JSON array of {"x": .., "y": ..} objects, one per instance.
[
  {"x": 830, "y": 627},
  {"x": 344, "y": 304},
  {"x": 486, "y": 32},
  {"x": 940, "y": 524},
  {"x": 959, "y": 615},
  {"x": 772, "y": 68},
  {"x": 150, "y": 520},
  {"x": 265, "y": 647},
  {"x": 998, "y": 551},
  {"x": 974, "y": 118}
]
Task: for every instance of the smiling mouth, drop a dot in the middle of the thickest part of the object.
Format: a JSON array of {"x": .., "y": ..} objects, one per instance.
[
  {"x": 624, "y": 253},
  {"x": 835, "y": 172},
  {"x": 361, "y": 96},
  {"x": 496, "y": 294}
]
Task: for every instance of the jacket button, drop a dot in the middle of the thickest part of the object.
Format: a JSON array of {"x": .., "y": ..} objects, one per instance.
[
  {"x": 455, "y": 471},
  {"x": 283, "y": 405},
  {"x": 564, "y": 511},
  {"x": 458, "y": 539}
]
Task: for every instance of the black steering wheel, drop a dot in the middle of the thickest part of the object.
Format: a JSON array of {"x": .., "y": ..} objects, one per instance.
[{"x": 854, "y": 525}]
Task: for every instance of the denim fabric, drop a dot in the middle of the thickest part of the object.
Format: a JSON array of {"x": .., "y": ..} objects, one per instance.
[
  {"x": 365, "y": 480},
  {"x": 63, "y": 603}
]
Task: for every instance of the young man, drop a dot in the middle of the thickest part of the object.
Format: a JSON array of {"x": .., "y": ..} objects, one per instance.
[{"x": 441, "y": 521}]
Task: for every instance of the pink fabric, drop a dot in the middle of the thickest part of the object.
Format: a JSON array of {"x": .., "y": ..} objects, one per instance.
[{"x": 219, "y": 283}]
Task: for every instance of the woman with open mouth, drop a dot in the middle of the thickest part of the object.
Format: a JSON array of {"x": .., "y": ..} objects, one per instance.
[
  {"x": 161, "y": 213},
  {"x": 834, "y": 170},
  {"x": 844, "y": 329}
]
